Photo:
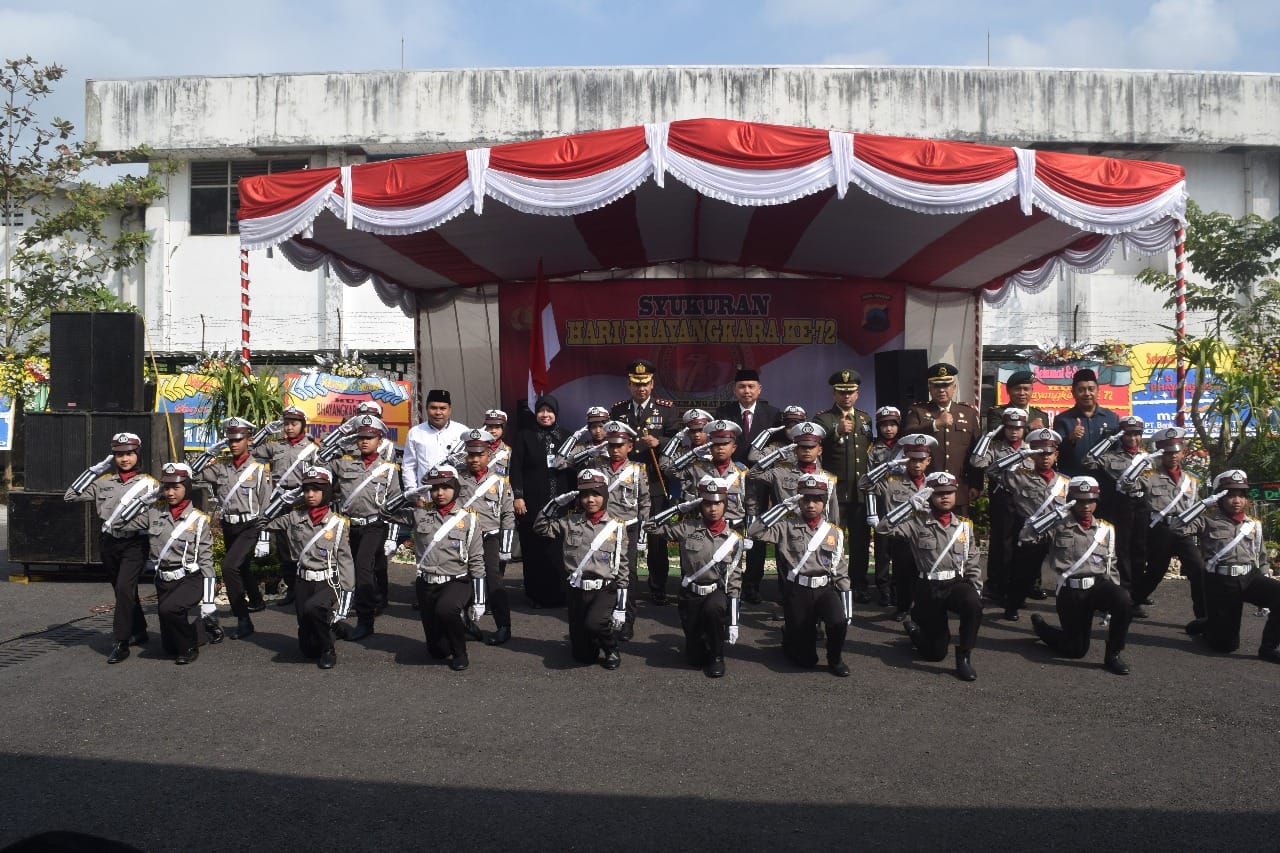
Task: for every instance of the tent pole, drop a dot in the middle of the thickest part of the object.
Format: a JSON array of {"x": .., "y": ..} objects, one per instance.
[
  {"x": 417, "y": 359},
  {"x": 244, "y": 312},
  {"x": 1180, "y": 270},
  {"x": 977, "y": 350}
]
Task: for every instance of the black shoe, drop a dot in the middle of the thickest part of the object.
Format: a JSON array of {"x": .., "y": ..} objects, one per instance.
[
  {"x": 612, "y": 660},
  {"x": 257, "y": 606},
  {"x": 627, "y": 633},
  {"x": 715, "y": 669},
  {"x": 498, "y": 637},
  {"x": 1147, "y": 602},
  {"x": 839, "y": 668},
  {"x": 289, "y": 598},
  {"x": 328, "y": 659},
  {"x": 913, "y": 632},
  {"x": 1011, "y": 614},
  {"x": 1272, "y": 655},
  {"x": 964, "y": 667},
  {"x": 862, "y": 596},
  {"x": 362, "y": 630},
  {"x": 901, "y": 616},
  {"x": 213, "y": 630},
  {"x": 886, "y": 600},
  {"x": 140, "y": 639},
  {"x": 458, "y": 663},
  {"x": 1115, "y": 663},
  {"x": 189, "y": 656},
  {"x": 244, "y": 628},
  {"x": 119, "y": 652},
  {"x": 341, "y": 630},
  {"x": 1038, "y": 594},
  {"x": 1039, "y": 625},
  {"x": 752, "y": 596},
  {"x": 1196, "y": 627},
  {"x": 659, "y": 597},
  {"x": 1140, "y": 612},
  {"x": 472, "y": 630}
]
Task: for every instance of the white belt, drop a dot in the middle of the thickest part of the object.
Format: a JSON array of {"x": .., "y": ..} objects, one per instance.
[
  {"x": 591, "y": 584},
  {"x": 239, "y": 519},
  {"x": 1232, "y": 571},
  {"x": 176, "y": 574},
  {"x": 943, "y": 575},
  {"x": 702, "y": 589},
  {"x": 1081, "y": 583},
  {"x": 813, "y": 581},
  {"x": 362, "y": 522},
  {"x": 434, "y": 579},
  {"x": 308, "y": 575}
]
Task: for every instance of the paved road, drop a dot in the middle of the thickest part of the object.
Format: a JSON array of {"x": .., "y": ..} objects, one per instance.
[{"x": 254, "y": 748}]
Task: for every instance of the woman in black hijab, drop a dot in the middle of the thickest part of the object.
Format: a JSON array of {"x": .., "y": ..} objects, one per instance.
[{"x": 533, "y": 483}]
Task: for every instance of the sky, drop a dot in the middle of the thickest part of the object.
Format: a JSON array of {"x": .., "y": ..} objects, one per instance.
[{"x": 232, "y": 37}]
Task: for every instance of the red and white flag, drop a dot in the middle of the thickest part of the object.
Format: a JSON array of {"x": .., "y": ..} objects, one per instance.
[{"x": 544, "y": 341}]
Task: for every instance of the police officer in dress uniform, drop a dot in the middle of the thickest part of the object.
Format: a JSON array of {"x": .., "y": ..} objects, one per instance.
[
  {"x": 287, "y": 457},
  {"x": 711, "y": 554},
  {"x": 652, "y": 419},
  {"x": 364, "y": 485},
  {"x": 722, "y": 442},
  {"x": 815, "y": 578},
  {"x": 320, "y": 539},
  {"x": 1082, "y": 552},
  {"x": 844, "y": 453},
  {"x": 495, "y": 423},
  {"x": 447, "y": 541},
  {"x": 594, "y": 545},
  {"x": 780, "y": 480},
  {"x": 1006, "y": 437},
  {"x": 1235, "y": 566},
  {"x": 1019, "y": 387},
  {"x": 948, "y": 574},
  {"x": 123, "y": 544},
  {"x": 683, "y": 449},
  {"x": 888, "y": 486},
  {"x": 1109, "y": 459},
  {"x": 629, "y": 500},
  {"x": 486, "y": 491},
  {"x": 584, "y": 447},
  {"x": 242, "y": 487},
  {"x": 955, "y": 425}
]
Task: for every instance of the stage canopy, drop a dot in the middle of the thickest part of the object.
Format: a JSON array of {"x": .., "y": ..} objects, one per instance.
[{"x": 927, "y": 214}]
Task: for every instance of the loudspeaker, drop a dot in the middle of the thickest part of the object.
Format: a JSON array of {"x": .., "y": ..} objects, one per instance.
[
  {"x": 43, "y": 528},
  {"x": 900, "y": 378},
  {"x": 59, "y": 445},
  {"x": 95, "y": 361}
]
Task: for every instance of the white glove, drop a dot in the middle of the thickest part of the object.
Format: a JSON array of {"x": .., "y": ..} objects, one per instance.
[
  {"x": 103, "y": 466},
  {"x": 389, "y": 547},
  {"x": 873, "y": 520},
  {"x": 504, "y": 557},
  {"x": 619, "y": 619},
  {"x": 920, "y": 500},
  {"x": 642, "y": 544},
  {"x": 733, "y": 634},
  {"x": 262, "y": 548},
  {"x": 477, "y": 612},
  {"x": 748, "y": 544},
  {"x": 207, "y": 609}
]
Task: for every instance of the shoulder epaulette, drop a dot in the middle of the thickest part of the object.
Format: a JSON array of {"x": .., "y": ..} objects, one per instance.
[
  {"x": 663, "y": 401},
  {"x": 626, "y": 402}
]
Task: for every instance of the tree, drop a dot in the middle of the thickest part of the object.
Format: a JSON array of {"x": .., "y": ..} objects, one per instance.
[
  {"x": 69, "y": 242},
  {"x": 1235, "y": 264}
]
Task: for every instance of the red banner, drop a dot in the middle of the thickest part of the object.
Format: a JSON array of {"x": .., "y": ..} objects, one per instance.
[{"x": 698, "y": 333}]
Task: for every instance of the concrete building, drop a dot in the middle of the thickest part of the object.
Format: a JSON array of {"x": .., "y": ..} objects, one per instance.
[{"x": 1224, "y": 128}]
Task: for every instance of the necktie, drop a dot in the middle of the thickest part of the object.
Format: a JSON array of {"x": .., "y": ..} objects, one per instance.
[{"x": 746, "y": 424}]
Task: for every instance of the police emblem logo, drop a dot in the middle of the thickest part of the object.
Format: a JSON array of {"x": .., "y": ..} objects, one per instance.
[
  {"x": 831, "y": 541},
  {"x": 462, "y": 522},
  {"x": 942, "y": 371},
  {"x": 844, "y": 376},
  {"x": 328, "y": 534}
]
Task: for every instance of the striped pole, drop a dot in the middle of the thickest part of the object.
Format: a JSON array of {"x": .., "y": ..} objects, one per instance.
[
  {"x": 977, "y": 350},
  {"x": 1180, "y": 272},
  {"x": 244, "y": 310}
]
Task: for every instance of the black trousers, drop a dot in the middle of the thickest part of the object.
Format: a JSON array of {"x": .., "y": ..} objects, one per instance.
[
  {"x": 543, "y": 565},
  {"x": 1004, "y": 528},
  {"x": 123, "y": 560},
  {"x": 1132, "y": 522},
  {"x": 591, "y": 622},
  {"x": 313, "y": 603},
  {"x": 495, "y": 592},
  {"x": 704, "y": 619},
  {"x": 288, "y": 565},
  {"x": 178, "y": 606},
  {"x": 853, "y": 514},
  {"x": 1075, "y": 611},
  {"x": 753, "y": 560},
  {"x": 632, "y": 559},
  {"x": 1224, "y": 599},
  {"x": 366, "y": 545},
  {"x": 884, "y": 565},
  {"x": 1163, "y": 545},
  {"x": 904, "y": 572},
  {"x": 236, "y": 574},
  {"x": 933, "y": 600},
  {"x": 440, "y": 606},
  {"x": 802, "y": 607},
  {"x": 657, "y": 560},
  {"x": 1024, "y": 571}
]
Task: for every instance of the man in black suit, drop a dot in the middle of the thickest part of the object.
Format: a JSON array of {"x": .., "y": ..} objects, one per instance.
[
  {"x": 652, "y": 418},
  {"x": 754, "y": 416}
]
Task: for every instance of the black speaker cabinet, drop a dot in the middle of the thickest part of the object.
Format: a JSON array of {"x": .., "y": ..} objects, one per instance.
[
  {"x": 59, "y": 445},
  {"x": 900, "y": 378},
  {"x": 43, "y": 528},
  {"x": 95, "y": 362}
]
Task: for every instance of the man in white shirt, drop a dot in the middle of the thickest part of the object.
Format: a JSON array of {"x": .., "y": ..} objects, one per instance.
[{"x": 427, "y": 444}]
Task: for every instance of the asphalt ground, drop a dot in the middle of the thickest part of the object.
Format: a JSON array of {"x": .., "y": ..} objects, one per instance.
[{"x": 253, "y": 747}]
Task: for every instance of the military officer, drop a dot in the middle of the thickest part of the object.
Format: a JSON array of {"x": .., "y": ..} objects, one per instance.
[
  {"x": 711, "y": 554},
  {"x": 811, "y": 559},
  {"x": 287, "y": 458},
  {"x": 949, "y": 578},
  {"x": 844, "y": 453},
  {"x": 1235, "y": 566},
  {"x": 955, "y": 425},
  {"x": 594, "y": 545},
  {"x": 652, "y": 418},
  {"x": 1019, "y": 386},
  {"x": 486, "y": 491},
  {"x": 1082, "y": 551},
  {"x": 123, "y": 543},
  {"x": 242, "y": 487}
]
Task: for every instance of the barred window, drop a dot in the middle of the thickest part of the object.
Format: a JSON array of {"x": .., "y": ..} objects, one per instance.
[
  {"x": 215, "y": 198},
  {"x": 12, "y": 217}
]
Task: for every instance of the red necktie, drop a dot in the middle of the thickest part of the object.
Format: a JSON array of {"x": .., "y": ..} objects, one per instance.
[{"x": 746, "y": 423}]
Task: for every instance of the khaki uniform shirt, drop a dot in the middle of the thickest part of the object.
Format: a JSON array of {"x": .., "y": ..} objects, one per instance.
[
  {"x": 697, "y": 548},
  {"x": 361, "y": 492},
  {"x": 490, "y": 498},
  {"x": 107, "y": 491},
  {"x": 792, "y": 536},
  {"x": 323, "y": 547},
  {"x": 783, "y": 480},
  {"x": 239, "y": 491},
  {"x": 938, "y": 548},
  {"x": 458, "y": 553},
  {"x": 577, "y": 534}
]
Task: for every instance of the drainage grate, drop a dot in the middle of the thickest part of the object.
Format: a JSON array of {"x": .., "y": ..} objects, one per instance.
[{"x": 77, "y": 633}]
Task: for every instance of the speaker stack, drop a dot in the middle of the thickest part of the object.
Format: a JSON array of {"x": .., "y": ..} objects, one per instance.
[
  {"x": 96, "y": 391},
  {"x": 900, "y": 378}
]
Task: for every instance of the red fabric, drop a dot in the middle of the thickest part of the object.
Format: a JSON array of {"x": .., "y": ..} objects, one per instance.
[
  {"x": 722, "y": 468},
  {"x": 595, "y": 517},
  {"x": 811, "y": 468},
  {"x": 717, "y": 528},
  {"x": 944, "y": 518},
  {"x": 743, "y": 145},
  {"x": 1086, "y": 521},
  {"x": 1238, "y": 517},
  {"x": 369, "y": 458},
  {"x": 297, "y": 439},
  {"x": 317, "y": 513},
  {"x": 1105, "y": 181},
  {"x": 1175, "y": 473},
  {"x": 481, "y": 474},
  {"x": 265, "y": 195},
  {"x": 617, "y": 466},
  {"x": 538, "y": 347},
  {"x": 410, "y": 181},
  {"x": 240, "y": 460},
  {"x": 918, "y": 481},
  {"x": 1048, "y": 474},
  {"x": 980, "y": 232},
  {"x": 447, "y": 508},
  {"x": 1016, "y": 445},
  {"x": 813, "y": 522},
  {"x": 177, "y": 509},
  {"x": 126, "y": 476},
  {"x": 933, "y": 162},
  {"x": 577, "y": 156}
]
